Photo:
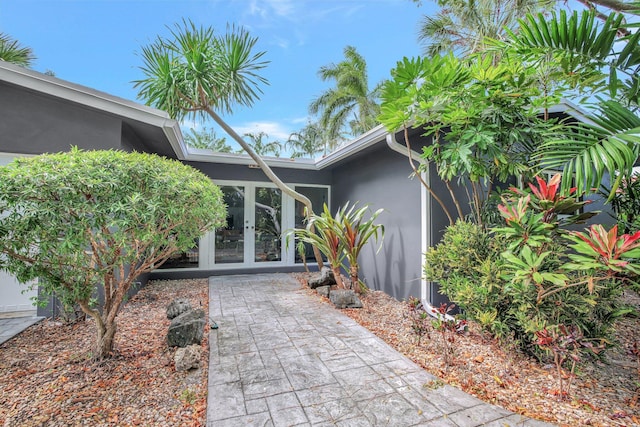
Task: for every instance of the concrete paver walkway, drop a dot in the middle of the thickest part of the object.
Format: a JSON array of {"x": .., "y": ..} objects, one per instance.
[
  {"x": 282, "y": 358},
  {"x": 12, "y": 326}
]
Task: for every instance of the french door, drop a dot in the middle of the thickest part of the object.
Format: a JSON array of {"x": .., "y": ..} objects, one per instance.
[{"x": 253, "y": 233}]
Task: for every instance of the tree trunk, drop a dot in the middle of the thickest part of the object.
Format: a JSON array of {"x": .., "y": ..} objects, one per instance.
[
  {"x": 337, "y": 275},
  {"x": 422, "y": 181},
  {"x": 270, "y": 174},
  {"x": 104, "y": 347},
  {"x": 105, "y": 331},
  {"x": 355, "y": 283}
]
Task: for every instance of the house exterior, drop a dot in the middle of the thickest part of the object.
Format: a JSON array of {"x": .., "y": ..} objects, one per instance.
[{"x": 40, "y": 113}]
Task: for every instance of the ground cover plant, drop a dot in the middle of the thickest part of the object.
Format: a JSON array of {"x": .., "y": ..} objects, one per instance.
[
  {"x": 87, "y": 220},
  {"x": 47, "y": 375}
]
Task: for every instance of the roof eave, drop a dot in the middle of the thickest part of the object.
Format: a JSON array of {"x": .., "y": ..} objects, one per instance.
[
  {"x": 367, "y": 139},
  {"x": 83, "y": 95},
  {"x": 198, "y": 155}
]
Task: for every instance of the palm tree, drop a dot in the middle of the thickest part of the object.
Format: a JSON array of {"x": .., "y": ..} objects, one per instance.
[
  {"x": 207, "y": 139},
  {"x": 196, "y": 72},
  {"x": 462, "y": 26},
  {"x": 350, "y": 104},
  {"x": 309, "y": 141},
  {"x": 11, "y": 51},
  {"x": 261, "y": 147},
  {"x": 593, "y": 57}
]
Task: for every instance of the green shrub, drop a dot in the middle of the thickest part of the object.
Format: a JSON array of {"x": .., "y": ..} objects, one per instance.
[
  {"x": 529, "y": 275},
  {"x": 87, "y": 219}
]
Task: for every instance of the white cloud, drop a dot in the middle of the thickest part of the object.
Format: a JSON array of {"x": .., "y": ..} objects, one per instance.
[
  {"x": 282, "y": 7},
  {"x": 276, "y": 131},
  {"x": 281, "y": 42},
  {"x": 300, "y": 120},
  {"x": 266, "y": 9}
]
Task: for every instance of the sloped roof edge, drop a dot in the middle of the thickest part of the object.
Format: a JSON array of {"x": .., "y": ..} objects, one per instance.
[
  {"x": 92, "y": 98},
  {"x": 102, "y": 101}
]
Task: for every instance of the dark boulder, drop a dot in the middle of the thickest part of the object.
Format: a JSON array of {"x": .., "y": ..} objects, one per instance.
[
  {"x": 345, "y": 298},
  {"x": 324, "y": 291},
  {"x": 177, "y": 307},
  {"x": 323, "y": 278},
  {"x": 187, "y": 329}
]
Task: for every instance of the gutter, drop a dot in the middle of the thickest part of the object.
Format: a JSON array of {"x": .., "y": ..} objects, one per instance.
[
  {"x": 199, "y": 155},
  {"x": 365, "y": 140},
  {"x": 83, "y": 95},
  {"x": 425, "y": 209}
]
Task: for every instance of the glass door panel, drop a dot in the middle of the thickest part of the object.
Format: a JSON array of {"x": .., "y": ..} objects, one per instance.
[
  {"x": 268, "y": 224},
  {"x": 319, "y": 196},
  {"x": 230, "y": 240}
]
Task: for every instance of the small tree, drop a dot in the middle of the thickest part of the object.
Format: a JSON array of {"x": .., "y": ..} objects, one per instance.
[
  {"x": 195, "y": 72},
  {"x": 482, "y": 118},
  {"x": 85, "y": 220}
]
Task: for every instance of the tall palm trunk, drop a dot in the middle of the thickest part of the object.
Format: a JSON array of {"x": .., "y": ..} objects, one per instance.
[{"x": 269, "y": 173}]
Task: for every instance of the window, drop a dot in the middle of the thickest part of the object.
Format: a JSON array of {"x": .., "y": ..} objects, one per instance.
[{"x": 319, "y": 196}]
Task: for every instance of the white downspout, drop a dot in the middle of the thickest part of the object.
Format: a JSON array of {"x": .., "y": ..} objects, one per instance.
[{"x": 426, "y": 287}]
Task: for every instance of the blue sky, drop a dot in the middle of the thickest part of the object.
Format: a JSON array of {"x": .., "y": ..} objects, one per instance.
[{"x": 94, "y": 43}]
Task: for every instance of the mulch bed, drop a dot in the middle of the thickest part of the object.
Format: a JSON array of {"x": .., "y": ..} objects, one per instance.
[
  {"x": 47, "y": 376},
  {"x": 602, "y": 393}
]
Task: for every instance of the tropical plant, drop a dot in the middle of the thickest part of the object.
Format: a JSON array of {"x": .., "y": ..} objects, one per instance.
[
  {"x": 261, "y": 147},
  {"x": 81, "y": 220},
  {"x": 342, "y": 236},
  {"x": 195, "y": 72},
  {"x": 593, "y": 60},
  {"x": 463, "y": 26},
  {"x": 206, "y": 139},
  {"x": 601, "y": 251},
  {"x": 322, "y": 232},
  {"x": 468, "y": 267},
  {"x": 523, "y": 277},
  {"x": 479, "y": 117},
  {"x": 355, "y": 233},
  {"x": 12, "y": 51},
  {"x": 419, "y": 318},
  {"x": 350, "y": 107},
  {"x": 626, "y": 204},
  {"x": 448, "y": 327},
  {"x": 565, "y": 344}
]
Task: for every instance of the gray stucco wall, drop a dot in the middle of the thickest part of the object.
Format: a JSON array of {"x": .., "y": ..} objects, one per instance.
[
  {"x": 33, "y": 124},
  {"x": 381, "y": 180}
]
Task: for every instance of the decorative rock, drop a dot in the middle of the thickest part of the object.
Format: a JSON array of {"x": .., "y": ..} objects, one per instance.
[
  {"x": 324, "y": 290},
  {"x": 324, "y": 278},
  {"x": 186, "y": 329},
  {"x": 345, "y": 298},
  {"x": 188, "y": 358},
  {"x": 177, "y": 307}
]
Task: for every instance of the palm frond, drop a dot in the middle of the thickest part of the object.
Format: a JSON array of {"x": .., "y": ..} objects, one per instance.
[
  {"x": 610, "y": 144},
  {"x": 12, "y": 51}
]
